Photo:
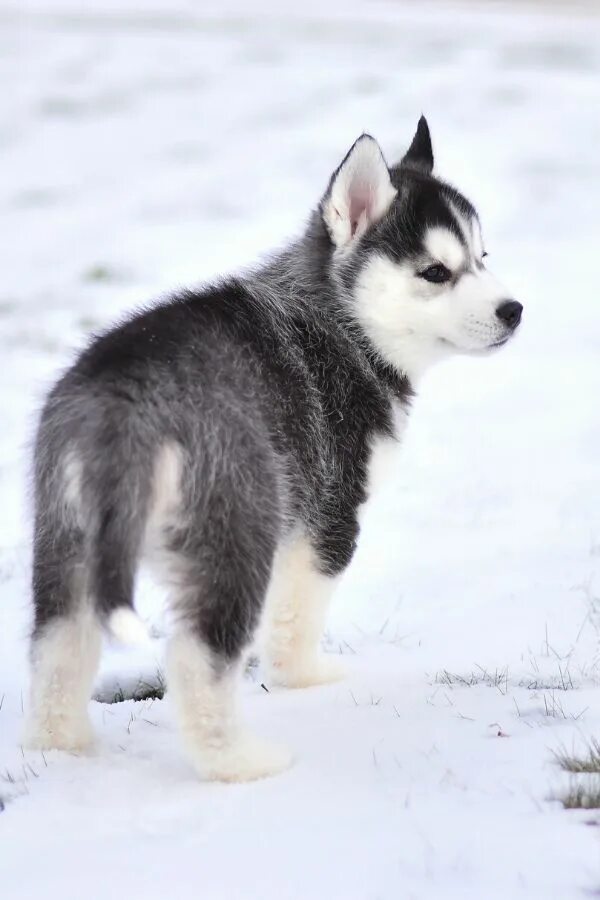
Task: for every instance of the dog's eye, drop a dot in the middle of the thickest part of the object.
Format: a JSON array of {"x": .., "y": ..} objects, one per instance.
[
  {"x": 484, "y": 254},
  {"x": 437, "y": 274}
]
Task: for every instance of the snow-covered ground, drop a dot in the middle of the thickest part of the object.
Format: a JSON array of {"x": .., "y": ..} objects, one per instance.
[{"x": 144, "y": 145}]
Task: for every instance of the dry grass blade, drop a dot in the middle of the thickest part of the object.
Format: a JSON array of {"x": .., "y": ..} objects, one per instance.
[
  {"x": 588, "y": 764},
  {"x": 581, "y": 795}
]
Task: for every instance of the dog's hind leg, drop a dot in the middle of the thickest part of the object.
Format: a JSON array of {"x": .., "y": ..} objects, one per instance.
[
  {"x": 64, "y": 659},
  {"x": 66, "y": 639},
  {"x": 219, "y": 565},
  {"x": 296, "y": 609},
  {"x": 204, "y": 688}
]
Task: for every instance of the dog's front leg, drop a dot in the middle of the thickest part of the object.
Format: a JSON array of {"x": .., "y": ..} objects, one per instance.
[{"x": 294, "y": 619}]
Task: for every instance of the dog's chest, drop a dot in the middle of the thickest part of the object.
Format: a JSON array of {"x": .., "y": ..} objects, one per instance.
[{"x": 383, "y": 457}]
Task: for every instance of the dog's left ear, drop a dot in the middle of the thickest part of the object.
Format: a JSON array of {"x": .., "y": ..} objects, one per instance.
[
  {"x": 360, "y": 192},
  {"x": 420, "y": 153}
]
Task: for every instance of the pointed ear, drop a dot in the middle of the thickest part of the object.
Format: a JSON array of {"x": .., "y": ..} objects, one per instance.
[
  {"x": 420, "y": 153},
  {"x": 360, "y": 192}
]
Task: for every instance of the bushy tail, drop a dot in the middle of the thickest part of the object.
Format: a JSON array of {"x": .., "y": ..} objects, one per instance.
[
  {"x": 126, "y": 626},
  {"x": 120, "y": 483},
  {"x": 93, "y": 477}
]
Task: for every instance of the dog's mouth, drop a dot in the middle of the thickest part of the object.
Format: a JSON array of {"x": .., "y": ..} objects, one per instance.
[
  {"x": 478, "y": 351},
  {"x": 493, "y": 347},
  {"x": 500, "y": 343}
]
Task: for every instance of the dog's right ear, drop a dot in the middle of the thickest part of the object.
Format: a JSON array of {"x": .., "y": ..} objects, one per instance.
[
  {"x": 420, "y": 153},
  {"x": 360, "y": 192}
]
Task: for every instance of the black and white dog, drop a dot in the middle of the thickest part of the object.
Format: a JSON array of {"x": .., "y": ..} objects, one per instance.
[{"x": 232, "y": 435}]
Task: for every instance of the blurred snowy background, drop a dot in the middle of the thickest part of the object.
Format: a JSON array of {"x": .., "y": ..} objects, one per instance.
[{"x": 146, "y": 145}]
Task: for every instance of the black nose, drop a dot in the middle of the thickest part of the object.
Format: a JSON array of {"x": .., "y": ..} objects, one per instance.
[{"x": 510, "y": 313}]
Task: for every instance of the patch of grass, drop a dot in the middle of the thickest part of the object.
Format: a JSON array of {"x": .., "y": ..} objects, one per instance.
[
  {"x": 102, "y": 273},
  {"x": 99, "y": 273},
  {"x": 15, "y": 783},
  {"x": 554, "y": 709},
  {"x": 581, "y": 795},
  {"x": 561, "y": 682},
  {"x": 551, "y": 689},
  {"x": 501, "y": 680},
  {"x": 139, "y": 691},
  {"x": 497, "y": 679},
  {"x": 588, "y": 764}
]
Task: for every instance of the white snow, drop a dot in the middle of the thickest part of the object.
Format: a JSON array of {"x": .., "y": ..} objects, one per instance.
[{"x": 144, "y": 145}]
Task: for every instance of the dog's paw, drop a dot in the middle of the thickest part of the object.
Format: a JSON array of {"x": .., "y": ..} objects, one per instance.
[
  {"x": 323, "y": 669},
  {"x": 59, "y": 734},
  {"x": 247, "y": 759}
]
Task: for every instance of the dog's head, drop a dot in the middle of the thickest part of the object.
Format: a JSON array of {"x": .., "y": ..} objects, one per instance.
[{"x": 408, "y": 251}]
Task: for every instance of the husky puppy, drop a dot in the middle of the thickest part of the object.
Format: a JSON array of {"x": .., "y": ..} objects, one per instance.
[{"x": 232, "y": 435}]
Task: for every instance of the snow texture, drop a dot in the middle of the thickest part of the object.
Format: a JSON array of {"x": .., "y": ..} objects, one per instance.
[{"x": 146, "y": 145}]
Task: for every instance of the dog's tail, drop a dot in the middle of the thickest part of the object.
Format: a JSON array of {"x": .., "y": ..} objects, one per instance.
[
  {"x": 94, "y": 467},
  {"x": 126, "y": 626},
  {"x": 95, "y": 462},
  {"x": 121, "y": 485}
]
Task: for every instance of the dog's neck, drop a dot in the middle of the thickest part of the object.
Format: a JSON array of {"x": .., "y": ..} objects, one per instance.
[
  {"x": 410, "y": 354},
  {"x": 304, "y": 273}
]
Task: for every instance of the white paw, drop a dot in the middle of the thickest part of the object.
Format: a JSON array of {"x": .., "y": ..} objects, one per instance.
[
  {"x": 247, "y": 759},
  {"x": 322, "y": 669},
  {"x": 59, "y": 734}
]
